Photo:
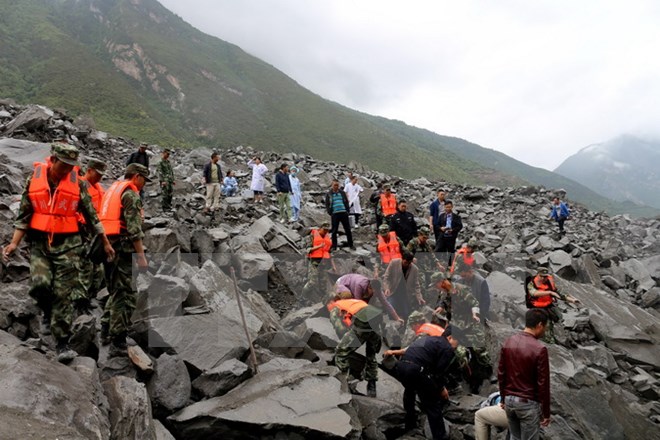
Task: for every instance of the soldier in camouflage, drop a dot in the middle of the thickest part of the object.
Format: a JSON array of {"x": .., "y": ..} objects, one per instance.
[
  {"x": 167, "y": 182},
  {"x": 55, "y": 256},
  {"x": 462, "y": 310},
  {"x": 127, "y": 243},
  {"x": 317, "y": 269},
  {"x": 426, "y": 260}
]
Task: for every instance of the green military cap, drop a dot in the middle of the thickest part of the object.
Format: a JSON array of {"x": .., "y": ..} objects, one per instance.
[
  {"x": 437, "y": 276},
  {"x": 167, "y": 150},
  {"x": 137, "y": 168},
  {"x": 99, "y": 166},
  {"x": 325, "y": 225},
  {"x": 66, "y": 153},
  {"x": 472, "y": 243},
  {"x": 416, "y": 317},
  {"x": 543, "y": 271},
  {"x": 425, "y": 231},
  {"x": 383, "y": 229}
]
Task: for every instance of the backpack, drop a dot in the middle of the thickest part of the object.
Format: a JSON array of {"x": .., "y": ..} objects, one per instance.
[{"x": 528, "y": 298}]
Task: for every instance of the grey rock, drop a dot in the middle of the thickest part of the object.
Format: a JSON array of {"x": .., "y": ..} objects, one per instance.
[
  {"x": 222, "y": 379},
  {"x": 636, "y": 270},
  {"x": 169, "y": 386},
  {"x": 161, "y": 432},
  {"x": 287, "y": 344},
  {"x": 130, "y": 409},
  {"x": 319, "y": 333},
  {"x": 651, "y": 298},
  {"x": 163, "y": 297},
  {"x": 83, "y": 339},
  {"x": 34, "y": 117}
]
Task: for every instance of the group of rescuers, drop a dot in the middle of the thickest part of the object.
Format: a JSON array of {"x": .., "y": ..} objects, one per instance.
[{"x": 66, "y": 215}]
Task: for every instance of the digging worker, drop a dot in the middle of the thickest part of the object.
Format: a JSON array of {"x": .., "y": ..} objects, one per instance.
[
  {"x": 358, "y": 323},
  {"x": 91, "y": 274},
  {"x": 418, "y": 324},
  {"x": 166, "y": 178},
  {"x": 121, "y": 215},
  {"x": 389, "y": 245},
  {"x": 319, "y": 246},
  {"x": 357, "y": 286},
  {"x": 421, "y": 370},
  {"x": 53, "y": 197},
  {"x": 542, "y": 293}
]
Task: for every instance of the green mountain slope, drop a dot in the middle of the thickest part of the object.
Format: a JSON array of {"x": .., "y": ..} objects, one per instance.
[{"x": 142, "y": 72}]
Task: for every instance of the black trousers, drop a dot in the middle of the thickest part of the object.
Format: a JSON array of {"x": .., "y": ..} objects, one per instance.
[
  {"x": 446, "y": 244},
  {"x": 417, "y": 383},
  {"x": 341, "y": 217}
]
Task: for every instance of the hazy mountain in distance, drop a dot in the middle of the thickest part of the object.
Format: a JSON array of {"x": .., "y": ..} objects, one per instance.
[{"x": 625, "y": 168}]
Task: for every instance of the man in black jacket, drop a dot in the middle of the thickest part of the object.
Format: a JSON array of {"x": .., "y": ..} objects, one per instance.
[
  {"x": 283, "y": 187},
  {"x": 450, "y": 225},
  {"x": 403, "y": 223},
  {"x": 212, "y": 179},
  {"x": 421, "y": 371},
  {"x": 336, "y": 203},
  {"x": 140, "y": 156}
]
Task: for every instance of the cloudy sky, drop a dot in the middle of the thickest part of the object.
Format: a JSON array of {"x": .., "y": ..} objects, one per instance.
[{"x": 535, "y": 79}]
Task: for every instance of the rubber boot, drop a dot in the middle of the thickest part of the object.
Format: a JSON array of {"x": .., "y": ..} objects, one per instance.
[{"x": 371, "y": 388}]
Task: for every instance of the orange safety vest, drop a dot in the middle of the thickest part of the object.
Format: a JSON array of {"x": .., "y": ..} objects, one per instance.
[
  {"x": 347, "y": 309},
  {"x": 468, "y": 258},
  {"x": 388, "y": 204},
  {"x": 323, "y": 252},
  {"x": 56, "y": 214},
  {"x": 110, "y": 213},
  {"x": 544, "y": 301},
  {"x": 389, "y": 251},
  {"x": 430, "y": 330},
  {"x": 96, "y": 193}
]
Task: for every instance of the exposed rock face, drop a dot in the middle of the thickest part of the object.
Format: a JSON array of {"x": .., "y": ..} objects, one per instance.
[{"x": 194, "y": 367}]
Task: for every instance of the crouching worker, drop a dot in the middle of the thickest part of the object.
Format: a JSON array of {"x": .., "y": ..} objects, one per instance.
[
  {"x": 357, "y": 323},
  {"x": 421, "y": 371}
]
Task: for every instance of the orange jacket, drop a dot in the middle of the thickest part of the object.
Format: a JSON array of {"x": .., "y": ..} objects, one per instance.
[
  {"x": 544, "y": 301},
  {"x": 110, "y": 213},
  {"x": 347, "y": 309},
  {"x": 430, "y": 330},
  {"x": 467, "y": 255},
  {"x": 323, "y": 252},
  {"x": 388, "y": 204},
  {"x": 56, "y": 214},
  {"x": 389, "y": 251}
]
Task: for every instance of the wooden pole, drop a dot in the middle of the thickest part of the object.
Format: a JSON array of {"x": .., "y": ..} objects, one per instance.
[{"x": 253, "y": 354}]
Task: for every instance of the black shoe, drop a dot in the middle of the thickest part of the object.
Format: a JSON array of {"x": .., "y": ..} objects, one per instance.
[
  {"x": 371, "y": 388},
  {"x": 64, "y": 353},
  {"x": 351, "y": 247}
]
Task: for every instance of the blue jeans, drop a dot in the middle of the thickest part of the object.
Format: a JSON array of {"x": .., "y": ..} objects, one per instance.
[{"x": 524, "y": 419}]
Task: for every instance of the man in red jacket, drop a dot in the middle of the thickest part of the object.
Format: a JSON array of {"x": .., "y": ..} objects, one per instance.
[{"x": 524, "y": 377}]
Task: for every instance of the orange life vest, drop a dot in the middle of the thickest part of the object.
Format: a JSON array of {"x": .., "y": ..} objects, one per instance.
[
  {"x": 96, "y": 193},
  {"x": 430, "y": 330},
  {"x": 110, "y": 213},
  {"x": 347, "y": 309},
  {"x": 390, "y": 250},
  {"x": 326, "y": 241},
  {"x": 466, "y": 255},
  {"x": 388, "y": 204},
  {"x": 56, "y": 214},
  {"x": 544, "y": 301}
]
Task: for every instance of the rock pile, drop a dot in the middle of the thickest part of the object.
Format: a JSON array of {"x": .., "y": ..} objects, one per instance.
[{"x": 191, "y": 375}]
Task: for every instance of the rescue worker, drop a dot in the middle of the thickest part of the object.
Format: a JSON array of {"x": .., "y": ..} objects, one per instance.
[
  {"x": 121, "y": 215},
  {"x": 357, "y": 286},
  {"x": 91, "y": 274},
  {"x": 422, "y": 371},
  {"x": 418, "y": 323},
  {"x": 358, "y": 323},
  {"x": 166, "y": 178},
  {"x": 386, "y": 205},
  {"x": 462, "y": 311},
  {"x": 425, "y": 258},
  {"x": 54, "y": 195},
  {"x": 465, "y": 255},
  {"x": 389, "y": 245},
  {"x": 319, "y": 244},
  {"x": 542, "y": 294}
]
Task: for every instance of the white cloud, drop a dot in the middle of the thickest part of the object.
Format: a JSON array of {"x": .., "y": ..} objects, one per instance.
[{"x": 537, "y": 80}]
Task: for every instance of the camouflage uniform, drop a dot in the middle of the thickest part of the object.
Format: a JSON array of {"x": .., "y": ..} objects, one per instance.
[
  {"x": 55, "y": 264},
  {"x": 426, "y": 262},
  {"x": 317, "y": 271},
  {"x": 459, "y": 305},
  {"x": 364, "y": 330},
  {"x": 119, "y": 272},
  {"x": 554, "y": 314},
  {"x": 166, "y": 177}
]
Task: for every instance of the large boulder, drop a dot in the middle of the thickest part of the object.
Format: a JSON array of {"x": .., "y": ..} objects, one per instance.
[
  {"x": 163, "y": 297},
  {"x": 34, "y": 117},
  {"x": 169, "y": 386},
  {"x": 319, "y": 333},
  {"x": 130, "y": 409},
  {"x": 279, "y": 403},
  {"x": 222, "y": 379},
  {"x": 42, "y": 396},
  {"x": 638, "y": 272}
]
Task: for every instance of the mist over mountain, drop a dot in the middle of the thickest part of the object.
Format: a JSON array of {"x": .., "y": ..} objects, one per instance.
[{"x": 624, "y": 168}]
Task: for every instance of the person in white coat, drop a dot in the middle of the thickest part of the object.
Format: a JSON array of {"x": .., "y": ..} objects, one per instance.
[
  {"x": 296, "y": 193},
  {"x": 258, "y": 180},
  {"x": 353, "y": 190}
]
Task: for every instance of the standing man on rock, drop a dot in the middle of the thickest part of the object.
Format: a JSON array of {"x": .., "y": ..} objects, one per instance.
[
  {"x": 559, "y": 213},
  {"x": 437, "y": 207},
  {"x": 121, "y": 215},
  {"x": 336, "y": 204},
  {"x": 53, "y": 198},
  {"x": 319, "y": 245},
  {"x": 140, "y": 156},
  {"x": 257, "y": 185},
  {"x": 403, "y": 223},
  {"x": 386, "y": 206},
  {"x": 166, "y": 177},
  {"x": 524, "y": 378},
  {"x": 450, "y": 225},
  {"x": 212, "y": 177},
  {"x": 91, "y": 274},
  {"x": 283, "y": 187}
]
